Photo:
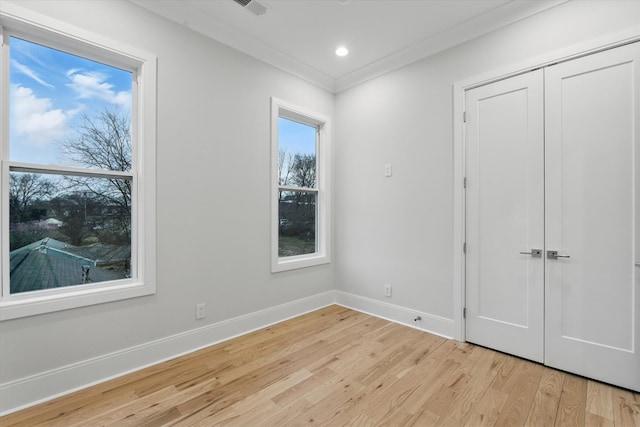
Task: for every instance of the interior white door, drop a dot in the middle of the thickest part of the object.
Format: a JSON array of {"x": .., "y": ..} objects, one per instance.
[
  {"x": 592, "y": 117},
  {"x": 505, "y": 216}
]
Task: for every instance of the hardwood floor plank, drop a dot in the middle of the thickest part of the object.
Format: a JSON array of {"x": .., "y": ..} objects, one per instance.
[
  {"x": 68, "y": 410},
  {"x": 599, "y": 400},
  {"x": 420, "y": 384},
  {"x": 487, "y": 410},
  {"x": 256, "y": 406},
  {"x": 626, "y": 407},
  {"x": 159, "y": 419},
  {"x": 135, "y": 412},
  {"x": 482, "y": 369},
  {"x": 338, "y": 367},
  {"x": 593, "y": 420},
  {"x": 376, "y": 402},
  {"x": 545, "y": 403},
  {"x": 292, "y": 393},
  {"x": 573, "y": 402},
  {"x": 522, "y": 388},
  {"x": 503, "y": 381},
  {"x": 389, "y": 394},
  {"x": 441, "y": 399}
]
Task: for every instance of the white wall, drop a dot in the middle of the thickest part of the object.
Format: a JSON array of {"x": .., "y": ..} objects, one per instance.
[
  {"x": 398, "y": 230},
  {"x": 213, "y": 209}
]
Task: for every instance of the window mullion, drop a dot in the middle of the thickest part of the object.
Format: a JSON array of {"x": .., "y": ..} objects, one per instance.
[
  {"x": 297, "y": 189},
  {"x": 69, "y": 170}
]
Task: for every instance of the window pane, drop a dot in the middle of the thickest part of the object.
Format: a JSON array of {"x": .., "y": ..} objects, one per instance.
[
  {"x": 297, "y": 223},
  {"x": 296, "y": 154},
  {"x": 67, "y": 230},
  {"x": 68, "y": 110}
]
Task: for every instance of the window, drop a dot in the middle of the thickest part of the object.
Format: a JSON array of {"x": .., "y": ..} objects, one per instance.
[
  {"x": 78, "y": 132},
  {"x": 300, "y": 226}
]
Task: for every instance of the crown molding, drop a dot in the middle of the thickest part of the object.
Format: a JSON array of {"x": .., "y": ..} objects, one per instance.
[
  {"x": 490, "y": 21},
  {"x": 187, "y": 15}
]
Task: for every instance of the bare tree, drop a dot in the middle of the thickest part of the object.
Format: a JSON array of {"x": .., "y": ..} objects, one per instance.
[
  {"x": 25, "y": 189},
  {"x": 104, "y": 143},
  {"x": 72, "y": 209},
  {"x": 297, "y": 169},
  {"x": 304, "y": 170},
  {"x": 297, "y": 209},
  {"x": 285, "y": 160}
]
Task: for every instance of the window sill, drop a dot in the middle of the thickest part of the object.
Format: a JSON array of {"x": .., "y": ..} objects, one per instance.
[
  {"x": 300, "y": 261},
  {"x": 32, "y": 305}
]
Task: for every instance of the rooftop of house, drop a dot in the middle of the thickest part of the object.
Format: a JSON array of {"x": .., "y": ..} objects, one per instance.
[{"x": 49, "y": 263}]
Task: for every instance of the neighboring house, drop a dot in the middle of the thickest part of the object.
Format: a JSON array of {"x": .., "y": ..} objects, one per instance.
[
  {"x": 43, "y": 224},
  {"x": 49, "y": 263},
  {"x": 52, "y": 223}
]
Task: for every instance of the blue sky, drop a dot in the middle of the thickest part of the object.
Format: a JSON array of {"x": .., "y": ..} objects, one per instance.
[
  {"x": 51, "y": 92},
  {"x": 296, "y": 137}
]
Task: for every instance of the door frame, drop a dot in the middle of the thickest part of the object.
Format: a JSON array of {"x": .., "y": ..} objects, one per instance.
[{"x": 459, "y": 146}]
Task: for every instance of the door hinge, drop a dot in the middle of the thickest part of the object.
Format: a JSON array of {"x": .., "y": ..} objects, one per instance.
[
  {"x": 464, "y": 248},
  {"x": 464, "y": 117},
  {"x": 464, "y": 182},
  {"x": 464, "y": 312}
]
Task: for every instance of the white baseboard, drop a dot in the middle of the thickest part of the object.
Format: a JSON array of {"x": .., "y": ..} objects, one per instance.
[
  {"x": 29, "y": 391},
  {"x": 35, "y": 389},
  {"x": 429, "y": 323}
]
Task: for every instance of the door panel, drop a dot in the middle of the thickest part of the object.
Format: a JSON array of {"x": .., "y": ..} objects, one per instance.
[
  {"x": 592, "y": 215},
  {"x": 505, "y": 288}
]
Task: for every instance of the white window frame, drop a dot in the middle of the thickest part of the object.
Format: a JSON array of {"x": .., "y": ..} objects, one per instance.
[
  {"x": 322, "y": 123},
  {"x": 23, "y": 23}
]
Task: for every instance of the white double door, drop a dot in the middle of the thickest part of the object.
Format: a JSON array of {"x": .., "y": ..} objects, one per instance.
[{"x": 553, "y": 165}]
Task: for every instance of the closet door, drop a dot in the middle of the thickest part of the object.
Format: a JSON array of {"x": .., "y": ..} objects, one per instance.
[
  {"x": 592, "y": 196},
  {"x": 505, "y": 216}
]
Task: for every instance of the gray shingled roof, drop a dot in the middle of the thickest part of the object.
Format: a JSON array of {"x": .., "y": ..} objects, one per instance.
[{"x": 49, "y": 263}]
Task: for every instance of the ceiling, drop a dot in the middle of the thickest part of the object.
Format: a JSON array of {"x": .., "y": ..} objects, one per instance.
[{"x": 300, "y": 36}]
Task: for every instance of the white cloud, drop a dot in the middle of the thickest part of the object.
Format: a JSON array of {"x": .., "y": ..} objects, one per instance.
[
  {"x": 88, "y": 85},
  {"x": 35, "y": 119},
  {"x": 29, "y": 73}
]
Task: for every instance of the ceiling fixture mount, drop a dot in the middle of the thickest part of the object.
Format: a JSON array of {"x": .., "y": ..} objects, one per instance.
[
  {"x": 253, "y": 6},
  {"x": 342, "y": 51}
]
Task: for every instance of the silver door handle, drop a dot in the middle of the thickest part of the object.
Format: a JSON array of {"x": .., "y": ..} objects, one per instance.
[
  {"x": 554, "y": 255},
  {"x": 535, "y": 253},
  {"x": 638, "y": 264}
]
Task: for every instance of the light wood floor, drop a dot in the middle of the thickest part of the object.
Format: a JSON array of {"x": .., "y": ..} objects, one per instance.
[{"x": 338, "y": 367}]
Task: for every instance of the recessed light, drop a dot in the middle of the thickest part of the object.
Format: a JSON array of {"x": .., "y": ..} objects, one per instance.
[{"x": 342, "y": 51}]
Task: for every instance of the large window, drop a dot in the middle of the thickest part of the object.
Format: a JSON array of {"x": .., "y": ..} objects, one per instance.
[
  {"x": 77, "y": 211},
  {"x": 300, "y": 226}
]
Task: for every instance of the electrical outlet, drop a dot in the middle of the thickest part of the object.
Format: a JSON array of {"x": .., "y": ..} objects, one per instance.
[
  {"x": 388, "y": 171},
  {"x": 387, "y": 290},
  {"x": 200, "y": 311}
]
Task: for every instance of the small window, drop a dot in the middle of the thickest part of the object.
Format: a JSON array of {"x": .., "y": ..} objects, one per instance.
[
  {"x": 74, "y": 218},
  {"x": 300, "y": 143}
]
